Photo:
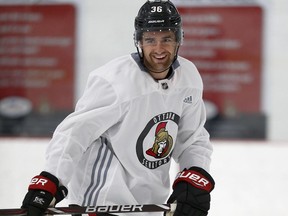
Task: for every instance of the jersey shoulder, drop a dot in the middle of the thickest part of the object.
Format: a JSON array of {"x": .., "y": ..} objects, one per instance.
[
  {"x": 188, "y": 73},
  {"x": 124, "y": 76},
  {"x": 115, "y": 67}
]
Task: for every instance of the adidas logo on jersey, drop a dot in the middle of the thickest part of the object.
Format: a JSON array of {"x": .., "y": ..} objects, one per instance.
[{"x": 188, "y": 100}]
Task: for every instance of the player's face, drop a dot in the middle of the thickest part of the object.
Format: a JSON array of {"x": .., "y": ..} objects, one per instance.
[{"x": 159, "y": 49}]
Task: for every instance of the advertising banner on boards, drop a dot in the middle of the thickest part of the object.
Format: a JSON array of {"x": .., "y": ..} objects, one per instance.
[{"x": 37, "y": 65}]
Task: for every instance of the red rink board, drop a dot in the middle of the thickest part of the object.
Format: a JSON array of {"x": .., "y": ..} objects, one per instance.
[
  {"x": 37, "y": 54},
  {"x": 225, "y": 43}
]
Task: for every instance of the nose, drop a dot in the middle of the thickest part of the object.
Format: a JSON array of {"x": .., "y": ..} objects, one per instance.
[{"x": 158, "y": 46}]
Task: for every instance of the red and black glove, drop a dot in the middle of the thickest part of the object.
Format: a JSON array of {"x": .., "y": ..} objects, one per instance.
[
  {"x": 44, "y": 191},
  {"x": 191, "y": 190}
]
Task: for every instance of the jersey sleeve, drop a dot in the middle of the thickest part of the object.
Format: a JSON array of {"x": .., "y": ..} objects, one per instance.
[
  {"x": 95, "y": 112},
  {"x": 193, "y": 146}
]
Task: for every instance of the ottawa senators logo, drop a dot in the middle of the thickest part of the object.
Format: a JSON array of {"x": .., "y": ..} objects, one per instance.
[
  {"x": 155, "y": 144},
  {"x": 163, "y": 142}
]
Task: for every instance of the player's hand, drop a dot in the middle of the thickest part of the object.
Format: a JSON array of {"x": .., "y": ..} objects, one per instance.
[
  {"x": 44, "y": 191},
  {"x": 191, "y": 191}
]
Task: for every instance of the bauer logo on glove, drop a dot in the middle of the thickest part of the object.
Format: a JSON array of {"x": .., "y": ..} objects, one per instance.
[{"x": 195, "y": 178}]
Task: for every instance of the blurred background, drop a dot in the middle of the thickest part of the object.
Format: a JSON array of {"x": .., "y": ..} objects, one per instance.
[{"x": 48, "y": 48}]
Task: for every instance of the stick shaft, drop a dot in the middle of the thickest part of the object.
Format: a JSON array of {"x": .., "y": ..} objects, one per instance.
[{"x": 110, "y": 209}]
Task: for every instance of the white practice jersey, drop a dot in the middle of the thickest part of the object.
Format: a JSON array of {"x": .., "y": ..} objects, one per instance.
[{"x": 117, "y": 146}]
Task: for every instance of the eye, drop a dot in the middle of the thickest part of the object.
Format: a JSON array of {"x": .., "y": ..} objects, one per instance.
[
  {"x": 149, "y": 41},
  {"x": 167, "y": 39}
]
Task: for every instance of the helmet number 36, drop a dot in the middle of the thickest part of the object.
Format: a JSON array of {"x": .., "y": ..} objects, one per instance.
[{"x": 157, "y": 9}]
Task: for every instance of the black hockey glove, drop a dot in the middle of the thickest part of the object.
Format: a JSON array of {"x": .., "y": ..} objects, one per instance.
[
  {"x": 191, "y": 190},
  {"x": 44, "y": 191}
]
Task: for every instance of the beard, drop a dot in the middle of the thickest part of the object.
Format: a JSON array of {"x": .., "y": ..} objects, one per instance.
[{"x": 158, "y": 63}]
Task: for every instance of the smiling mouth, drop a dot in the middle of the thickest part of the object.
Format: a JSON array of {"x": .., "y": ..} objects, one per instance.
[{"x": 160, "y": 57}]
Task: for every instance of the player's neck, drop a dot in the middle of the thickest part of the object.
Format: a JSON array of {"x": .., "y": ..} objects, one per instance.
[
  {"x": 159, "y": 75},
  {"x": 163, "y": 75}
]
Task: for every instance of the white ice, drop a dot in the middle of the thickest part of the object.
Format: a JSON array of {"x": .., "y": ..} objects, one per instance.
[{"x": 251, "y": 177}]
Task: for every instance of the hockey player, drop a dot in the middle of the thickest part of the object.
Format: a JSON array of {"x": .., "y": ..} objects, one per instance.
[{"x": 137, "y": 113}]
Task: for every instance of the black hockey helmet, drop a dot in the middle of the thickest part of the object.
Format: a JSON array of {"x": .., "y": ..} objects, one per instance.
[{"x": 158, "y": 15}]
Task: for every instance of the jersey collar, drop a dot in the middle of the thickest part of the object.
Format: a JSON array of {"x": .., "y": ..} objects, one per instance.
[{"x": 137, "y": 59}]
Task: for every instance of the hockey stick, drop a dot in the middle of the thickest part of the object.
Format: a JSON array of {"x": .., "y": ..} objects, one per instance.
[{"x": 110, "y": 209}]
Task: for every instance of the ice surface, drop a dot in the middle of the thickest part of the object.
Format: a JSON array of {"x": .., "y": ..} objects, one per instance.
[{"x": 251, "y": 177}]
